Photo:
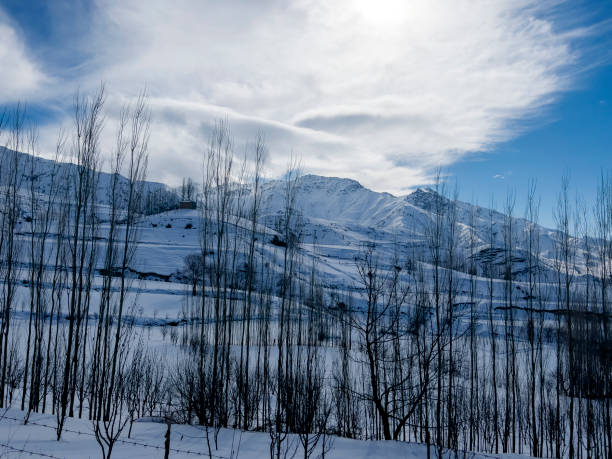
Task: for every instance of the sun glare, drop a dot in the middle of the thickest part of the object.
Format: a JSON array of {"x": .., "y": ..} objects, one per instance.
[{"x": 383, "y": 12}]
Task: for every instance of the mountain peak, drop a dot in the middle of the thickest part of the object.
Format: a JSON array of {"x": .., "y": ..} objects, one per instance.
[
  {"x": 329, "y": 183},
  {"x": 426, "y": 198}
]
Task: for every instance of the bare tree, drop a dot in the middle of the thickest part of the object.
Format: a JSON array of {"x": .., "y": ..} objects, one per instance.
[
  {"x": 88, "y": 126},
  {"x": 532, "y": 237},
  {"x": 10, "y": 247}
]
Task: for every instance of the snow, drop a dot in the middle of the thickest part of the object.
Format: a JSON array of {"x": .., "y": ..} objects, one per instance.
[
  {"x": 38, "y": 438},
  {"x": 340, "y": 218}
]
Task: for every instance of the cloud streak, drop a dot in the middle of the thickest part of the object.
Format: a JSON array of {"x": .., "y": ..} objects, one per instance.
[
  {"x": 383, "y": 92},
  {"x": 21, "y": 76}
]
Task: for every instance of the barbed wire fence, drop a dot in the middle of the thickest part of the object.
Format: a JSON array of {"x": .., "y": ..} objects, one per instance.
[{"x": 128, "y": 442}]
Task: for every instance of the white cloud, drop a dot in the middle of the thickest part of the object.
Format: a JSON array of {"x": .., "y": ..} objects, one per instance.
[
  {"x": 21, "y": 76},
  {"x": 382, "y": 91}
]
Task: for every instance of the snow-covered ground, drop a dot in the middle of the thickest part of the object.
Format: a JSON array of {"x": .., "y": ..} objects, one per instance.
[
  {"x": 340, "y": 218},
  {"x": 38, "y": 439}
]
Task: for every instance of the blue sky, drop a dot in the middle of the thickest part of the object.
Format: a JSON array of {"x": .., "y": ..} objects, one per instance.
[
  {"x": 494, "y": 93},
  {"x": 572, "y": 137}
]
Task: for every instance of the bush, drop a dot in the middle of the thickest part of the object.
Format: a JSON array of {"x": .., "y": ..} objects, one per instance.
[{"x": 277, "y": 242}]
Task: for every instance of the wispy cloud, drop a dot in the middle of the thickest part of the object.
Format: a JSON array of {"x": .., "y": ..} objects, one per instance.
[
  {"x": 383, "y": 91},
  {"x": 21, "y": 75}
]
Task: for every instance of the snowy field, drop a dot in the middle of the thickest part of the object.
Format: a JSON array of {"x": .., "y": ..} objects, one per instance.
[
  {"x": 340, "y": 221},
  {"x": 37, "y": 439}
]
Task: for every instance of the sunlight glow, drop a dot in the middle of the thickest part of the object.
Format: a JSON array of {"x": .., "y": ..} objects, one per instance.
[{"x": 382, "y": 12}]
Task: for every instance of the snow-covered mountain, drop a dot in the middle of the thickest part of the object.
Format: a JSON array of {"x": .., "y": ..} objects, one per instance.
[
  {"x": 341, "y": 216},
  {"x": 42, "y": 171},
  {"x": 338, "y": 218}
]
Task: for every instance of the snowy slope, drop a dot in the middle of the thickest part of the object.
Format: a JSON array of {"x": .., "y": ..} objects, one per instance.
[
  {"x": 37, "y": 438},
  {"x": 42, "y": 170},
  {"x": 342, "y": 212},
  {"x": 340, "y": 218}
]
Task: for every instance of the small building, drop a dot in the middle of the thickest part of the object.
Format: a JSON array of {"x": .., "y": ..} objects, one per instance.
[{"x": 187, "y": 205}]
